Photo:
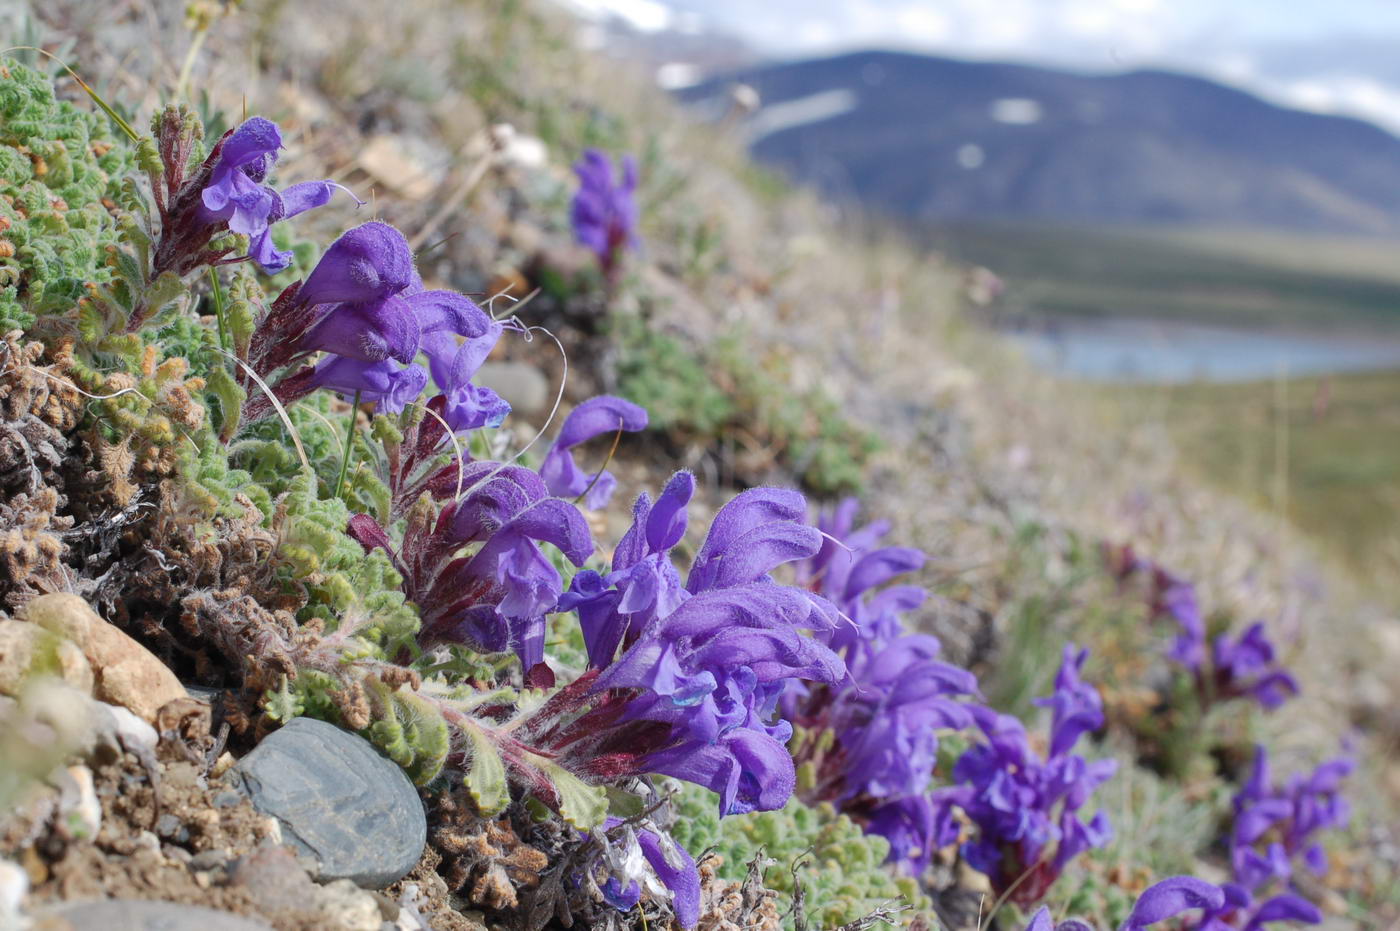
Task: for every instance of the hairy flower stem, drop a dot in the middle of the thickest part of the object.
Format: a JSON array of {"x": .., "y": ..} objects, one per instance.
[
  {"x": 349, "y": 444},
  {"x": 217, "y": 295}
]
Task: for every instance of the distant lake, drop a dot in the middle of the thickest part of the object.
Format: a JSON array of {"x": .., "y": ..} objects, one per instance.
[{"x": 1173, "y": 352}]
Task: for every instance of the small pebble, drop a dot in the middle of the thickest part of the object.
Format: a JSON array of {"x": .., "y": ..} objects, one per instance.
[
  {"x": 209, "y": 859},
  {"x": 171, "y": 827},
  {"x": 178, "y": 854},
  {"x": 228, "y": 798}
]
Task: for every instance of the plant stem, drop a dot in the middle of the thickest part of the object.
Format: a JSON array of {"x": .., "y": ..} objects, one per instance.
[
  {"x": 349, "y": 443},
  {"x": 218, "y": 297}
]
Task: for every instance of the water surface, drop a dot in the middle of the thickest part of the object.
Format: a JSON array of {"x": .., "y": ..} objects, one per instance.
[{"x": 1173, "y": 352}]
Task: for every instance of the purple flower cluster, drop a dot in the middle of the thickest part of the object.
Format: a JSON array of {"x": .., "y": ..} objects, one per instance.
[
  {"x": 227, "y": 191},
  {"x": 694, "y": 689},
  {"x": 604, "y": 212},
  {"x": 496, "y": 598},
  {"x": 365, "y": 307},
  {"x": 1275, "y": 826},
  {"x": 900, "y": 695},
  {"x": 237, "y": 196},
  {"x": 1022, "y": 805},
  {"x": 1243, "y": 667}
]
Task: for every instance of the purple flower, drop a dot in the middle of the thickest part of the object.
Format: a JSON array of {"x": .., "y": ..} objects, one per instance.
[
  {"x": 1289, "y": 817},
  {"x": 1176, "y": 599},
  {"x": 1246, "y": 667},
  {"x": 915, "y": 828},
  {"x": 643, "y": 585},
  {"x": 1161, "y": 901},
  {"x": 367, "y": 263},
  {"x": 700, "y": 668},
  {"x": 1239, "y": 668},
  {"x": 603, "y": 213},
  {"x": 235, "y": 193},
  {"x": 847, "y": 570},
  {"x": 1076, "y": 705},
  {"x": 386, "y": 383},
  {"x": 660, "y": 864},
  {"x": 1022, "y": 804},
  {"x": 594, "y": 417},
  {"x": 497, "y": 597},
  {"x": 1170, "y": 898},
  {"x": 365, "y": 305}
]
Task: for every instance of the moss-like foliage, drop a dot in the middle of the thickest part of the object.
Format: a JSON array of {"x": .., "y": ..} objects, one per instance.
[
  {"x": 727, "y": 389},
  {"x": 843, "y": 879},
  {"x": 60, "y": 173},
  {"x": 338, "y": 577}
]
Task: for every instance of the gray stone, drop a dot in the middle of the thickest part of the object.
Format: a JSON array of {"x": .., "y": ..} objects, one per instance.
[
  {"x": 523, "y": 386},
  {"x": 133, "y": 915},
  {"x": 337, "y": 800},
  {"x": 209, "y": 859}
]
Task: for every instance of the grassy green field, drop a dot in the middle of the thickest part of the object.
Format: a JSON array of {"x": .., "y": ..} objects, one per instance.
[
  {"x": 1325, "y": 452},
  {"x": 1228, "y": 277}
]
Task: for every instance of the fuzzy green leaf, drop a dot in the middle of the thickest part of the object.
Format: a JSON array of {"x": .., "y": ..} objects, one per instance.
[
  {"x": 486, "y": 780},
  {"x": 583, "y": 806}
]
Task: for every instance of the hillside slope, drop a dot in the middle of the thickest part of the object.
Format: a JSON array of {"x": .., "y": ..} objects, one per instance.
[{"x": 1014, "y": 486}]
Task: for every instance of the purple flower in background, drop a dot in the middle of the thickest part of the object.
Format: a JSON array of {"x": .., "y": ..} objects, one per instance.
[
  {"x": 604, "y": 213},
  {"x": 235, "y": 193},
  {"x": 900, "y": 694},
  {"x": 594, "y": 417},
  {"x": 1161, "y": 901},
  {"x": 1176, "y": 599},
  {"x": 1286, "y": 819},
  {"x": 1021, "y": 804},
  {"x": 1246, "y": 667},
  {"x": 846, "y": 571},
  {"x": 1233, "y": 668},
  {"x": 1274, "y": 827},
  {"x": 1076, "y": 705}
]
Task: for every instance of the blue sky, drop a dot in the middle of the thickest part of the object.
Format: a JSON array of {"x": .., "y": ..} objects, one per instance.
[{"x": 1339, "y": 56}]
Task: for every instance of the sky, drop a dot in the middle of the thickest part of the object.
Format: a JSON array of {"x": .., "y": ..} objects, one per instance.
[{"x": 1336, "y": 56}]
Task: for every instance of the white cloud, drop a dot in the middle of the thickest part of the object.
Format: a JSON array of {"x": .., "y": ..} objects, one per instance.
[{"x": 1349, "y": 94}]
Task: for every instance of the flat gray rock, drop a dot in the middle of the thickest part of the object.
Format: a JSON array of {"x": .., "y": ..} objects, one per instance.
[
  {"x": 523, "y": 386},
  {"x": 136, "y": 915},
  {"x": 339, "y": 801}
]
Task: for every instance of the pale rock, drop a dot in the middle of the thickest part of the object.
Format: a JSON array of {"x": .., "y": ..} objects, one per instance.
[
  {"x": 26, "y": 649},
  {"x": 524, "y": 387},
  {"x": 345, "y": 905},
  {"x": 79, "y": 809},
  {"x": 403, "y": 164},
  {"x": 14, "y": 886},
  {"x": 125, "y": 673},
  {"x": 140, "y": 915}
]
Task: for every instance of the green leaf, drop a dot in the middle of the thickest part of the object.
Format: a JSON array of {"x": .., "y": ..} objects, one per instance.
[
  {"x": 583, "y": 806},
  {"x": 283, "y": 704},
  {"x": 486, "y": 780}
]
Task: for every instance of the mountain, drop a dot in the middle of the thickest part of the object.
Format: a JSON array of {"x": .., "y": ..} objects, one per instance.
[{"x": 937, "y": 139}]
